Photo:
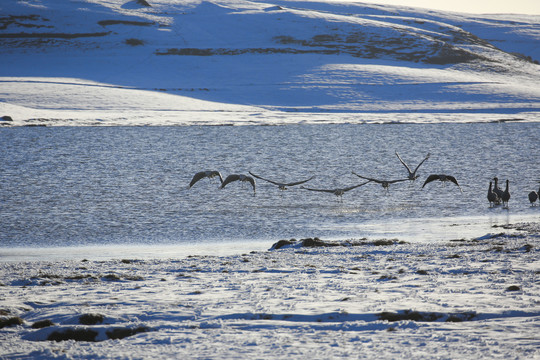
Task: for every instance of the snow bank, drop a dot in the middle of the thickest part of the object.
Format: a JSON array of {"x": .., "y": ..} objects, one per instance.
[{"x": 378, "y": 299}]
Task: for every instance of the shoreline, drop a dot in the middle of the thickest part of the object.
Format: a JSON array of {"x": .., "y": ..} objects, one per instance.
[{"x": 422, "y": 230}]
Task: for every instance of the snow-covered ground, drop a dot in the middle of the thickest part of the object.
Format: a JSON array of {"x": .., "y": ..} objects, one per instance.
[
  {"x": 118, "y": 62},
  {"x": 384, "y": 299}
]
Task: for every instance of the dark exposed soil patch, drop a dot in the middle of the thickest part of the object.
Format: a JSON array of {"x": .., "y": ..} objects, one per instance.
[
  {"x": 73, "y": 334},
  {"x": 125, "y": 22},
  {"x": 22, "y": 21},
  {"x": 52, "y": 35},
  {"x": 120, "y": 333},
  {"x": 12, "y": 321},
  {"x": 316, "y": 242},
  {"x": 402, "y": 46},
  {"x": 42, "y": 324},
  {"x": 226, "y": 51},
  {"x": 134, "y": 42},
  {"x": 91, "y": 319},
  {"x": 425, "y": 316}
]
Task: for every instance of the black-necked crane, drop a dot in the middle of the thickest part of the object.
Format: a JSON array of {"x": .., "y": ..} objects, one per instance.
[
  {"x": 533, "y": 196},
  {"x": 496, "y": 189},
  {"x": 205, "y": 174},
  {"x": 338, "y": 192},
  {"x": 238, "y": 177},
  {"x": 412, "y": 174},
  {"x": 282, "y": 186},
  {"x": 491, "y": 196},
  {"x": 385, "y": 183},
  {"x": 441, "y": 177},
  {"x": 506, "y": 195}
]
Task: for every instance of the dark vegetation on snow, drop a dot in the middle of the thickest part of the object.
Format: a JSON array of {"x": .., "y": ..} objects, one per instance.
[{"x": 316, "y": 242}]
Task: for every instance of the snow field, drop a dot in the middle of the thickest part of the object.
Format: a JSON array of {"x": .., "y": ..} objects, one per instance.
[{"x": 382, "y": 299}]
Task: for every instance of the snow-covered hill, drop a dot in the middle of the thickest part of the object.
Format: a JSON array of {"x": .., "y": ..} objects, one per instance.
[{"x": 234, "y": 61}]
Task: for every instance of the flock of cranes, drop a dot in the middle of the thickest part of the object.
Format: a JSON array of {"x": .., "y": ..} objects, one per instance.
[
  {"x": 496, "y": 196},
  {"x": 411, "y": 176}
]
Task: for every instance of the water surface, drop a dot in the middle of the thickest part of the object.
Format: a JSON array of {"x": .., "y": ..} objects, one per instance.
[{"x": 83, "y": 186}]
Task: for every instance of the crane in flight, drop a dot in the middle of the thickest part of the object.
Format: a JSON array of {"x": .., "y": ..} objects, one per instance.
[
  {"x": 282, "y": 186},
  {"x": 338, "y": 192},
  {"x": 385, "y": 183},
  {"x": 443, "y": 178},
  {"x": 412, "y": 174},
  {"x": 238, "y": 177},
  {"x": 205, "y": 174}
]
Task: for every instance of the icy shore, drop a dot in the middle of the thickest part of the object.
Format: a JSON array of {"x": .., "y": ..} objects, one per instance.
[{"x": 379, "y": 298}]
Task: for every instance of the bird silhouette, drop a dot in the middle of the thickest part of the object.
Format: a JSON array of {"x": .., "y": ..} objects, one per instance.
[
  {"x": 238, "y": 177},
  {"x": 412, "y": 174},
  {"x": 205, "y": 174},
  {"x": 385, "y": 183},
  {"x": 338, "y": 192},
  {"x": 496, "y": 189},
  {"x": 443, "y": 178},
  {"x": 506, "y": 195},
  {"x": 281, "y": 186},
  {"x": 533, "y": 196},
  {"x": 491, "y": 196}
]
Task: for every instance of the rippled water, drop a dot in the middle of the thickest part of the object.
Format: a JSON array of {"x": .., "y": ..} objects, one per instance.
[{"x": 94, "y": 185}]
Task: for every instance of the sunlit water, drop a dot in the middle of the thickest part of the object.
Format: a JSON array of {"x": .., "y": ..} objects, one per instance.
[{"x": 82, "y": 186}]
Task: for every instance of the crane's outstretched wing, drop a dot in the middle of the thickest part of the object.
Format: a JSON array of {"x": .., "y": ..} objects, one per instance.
[
  {"x": 260, "y": 177},
  {"x": 370, "y": 179},
  {"x": 281, "y": 184},
  {"x": 237, "y": 177},
  {"x": 229, "y": 179},
  {"x": 355, "y": 186},
  {"x": 453, "y": 179},
  {"x": 421, "y": 162},
  {"x": 322, "y": 190},
  {"x": 395, "y": 181},
  {"x": 202, "y": 174},
  {"x": 251, "y": 181},
  {"x": 335, "y": 191},
  {"x": 443, "y": 178},
  {"x": 412, "y": 174},
  {"x": 380, "y": 181},
  {"x": 403, "y": 162},
  {"x": 299, "y": 182},
  {"x": 198, "y": 176},
  {"x": 431, "y": 178}
]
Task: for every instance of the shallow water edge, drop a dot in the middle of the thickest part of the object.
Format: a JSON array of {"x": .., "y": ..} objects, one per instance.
[{"x": 427, "y": 230}]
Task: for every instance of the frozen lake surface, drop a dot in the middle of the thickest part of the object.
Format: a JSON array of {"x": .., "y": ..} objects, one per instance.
[{"x": 94, "y": 186}]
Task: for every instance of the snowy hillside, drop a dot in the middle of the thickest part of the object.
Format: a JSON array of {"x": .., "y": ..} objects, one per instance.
[{"x": 234, "y": 61}]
